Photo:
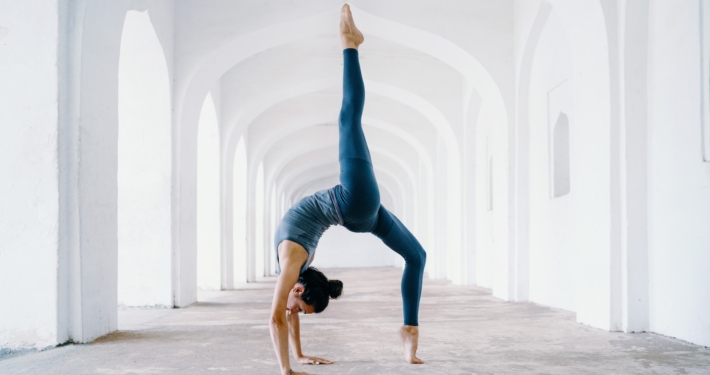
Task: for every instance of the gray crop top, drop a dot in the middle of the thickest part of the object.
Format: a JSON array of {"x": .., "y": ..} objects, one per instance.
[{"x": 306, "y": 221}]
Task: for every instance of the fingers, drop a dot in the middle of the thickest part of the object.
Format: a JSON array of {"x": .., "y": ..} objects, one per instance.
[
  {"x": 317, "y": 361},
  {"x": 323, "y": 361}
]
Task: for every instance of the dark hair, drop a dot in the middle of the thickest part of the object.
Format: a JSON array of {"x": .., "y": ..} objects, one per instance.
[{"x": 317, "y": 289}]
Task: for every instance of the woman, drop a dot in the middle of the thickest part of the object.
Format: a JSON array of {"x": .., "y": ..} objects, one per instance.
[{"x": 354, "y": 204}]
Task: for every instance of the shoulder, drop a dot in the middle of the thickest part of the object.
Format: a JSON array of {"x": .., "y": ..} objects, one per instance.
[{"x": 291, "y": 254}]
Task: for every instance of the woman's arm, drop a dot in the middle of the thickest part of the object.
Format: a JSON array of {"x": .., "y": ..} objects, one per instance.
[
  {"x": 294, "y": 334},
  {"x": 291, "y": 258},
  {"x": 294, "y": 337}
]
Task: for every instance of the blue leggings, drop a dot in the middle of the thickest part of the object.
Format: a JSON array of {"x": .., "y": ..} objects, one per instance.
[{"x": 359, "y": 197}]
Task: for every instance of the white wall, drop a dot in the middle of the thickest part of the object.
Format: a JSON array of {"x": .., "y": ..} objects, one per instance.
[
  {"x": 553, "y": 248},
  {"x": 29, "y": 183},
  {"x": 492, "y": 256},
  {"x": 679, "y": 199},
  {"x": 589, "y": 93}
]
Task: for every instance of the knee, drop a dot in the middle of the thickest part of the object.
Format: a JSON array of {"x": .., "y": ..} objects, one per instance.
[{"x": 418, "y": 259}]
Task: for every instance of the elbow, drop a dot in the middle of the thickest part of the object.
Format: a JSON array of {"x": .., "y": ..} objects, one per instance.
[{"x": 277, "y": 322}]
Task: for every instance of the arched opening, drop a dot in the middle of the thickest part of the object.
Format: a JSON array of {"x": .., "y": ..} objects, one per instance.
[
  {"x": 144, "y": 167},
  {"x": 240, "y": 213},
  {"x": 208, "y": 220},
  {"x": 273, "y": 222},
  {"x": 260, "y": 221}
]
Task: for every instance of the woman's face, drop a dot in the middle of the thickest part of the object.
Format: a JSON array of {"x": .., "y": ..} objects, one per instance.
[{"x": 295, "y": 304}]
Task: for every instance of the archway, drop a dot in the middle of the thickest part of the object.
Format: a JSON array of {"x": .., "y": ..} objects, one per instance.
[
  {"x": 240, "y": 213},
  {"x": 260, "y": 249},
  {"x": 208, "y": 215},
  {"x": 144, "y": 167}
]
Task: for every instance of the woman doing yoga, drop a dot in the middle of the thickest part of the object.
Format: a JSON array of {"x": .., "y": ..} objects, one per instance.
[{"x": 354, "y": 204}]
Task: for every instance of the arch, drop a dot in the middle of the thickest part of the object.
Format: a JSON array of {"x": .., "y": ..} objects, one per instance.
[
  {"x": 521, "y": 178},
  {"x": 259, "y": 201},
  {"x": 239, "y": 197},
  {"x": 551, "y": 255},
  {"x": 208, "y": 205},
  {"x": 273, "y": 222},
  {"x": 243, "y": 46},
  {"x": 589, "y": 54},
  {"x": 88, "y": 112},
  {"x": 591, "y": 119},
  {"x": 260, "y": 104},
  {"x": 144, "y": 167}
]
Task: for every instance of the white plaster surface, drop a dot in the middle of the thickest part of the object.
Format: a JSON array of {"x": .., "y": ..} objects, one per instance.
[
  {"x": 679, "y": 199},
  {"x": 29, "y": 184},
  {"x": 553, "y": 247}
]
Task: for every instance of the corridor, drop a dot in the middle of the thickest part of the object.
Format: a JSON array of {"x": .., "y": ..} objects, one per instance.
[
  {"x": 552, "y": 158},
  {"x": 464, "y": 331}
]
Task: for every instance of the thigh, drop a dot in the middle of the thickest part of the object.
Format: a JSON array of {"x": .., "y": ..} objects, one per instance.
[
  {"x": 359, "y": 195},
  {"x": 398, "y": 238}
]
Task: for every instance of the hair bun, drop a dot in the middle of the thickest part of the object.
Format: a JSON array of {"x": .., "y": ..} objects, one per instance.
[{"x": 335, "y": 288}]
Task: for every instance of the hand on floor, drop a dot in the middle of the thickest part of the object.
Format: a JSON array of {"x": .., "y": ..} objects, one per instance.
[{"x": 306, "y": 360}]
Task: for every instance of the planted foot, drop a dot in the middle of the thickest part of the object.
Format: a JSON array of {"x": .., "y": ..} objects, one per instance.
[
  {"x": 350, "y": 36},
  {"x": 410, "y": 340}
]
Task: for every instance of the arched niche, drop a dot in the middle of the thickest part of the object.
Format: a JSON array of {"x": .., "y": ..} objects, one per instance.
[{"x": 560, "y": 158}]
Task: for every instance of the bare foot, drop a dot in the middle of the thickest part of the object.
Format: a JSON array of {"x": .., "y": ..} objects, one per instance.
[
  {"x": 350, "y": 36},
  {"x": 410, "y": 339}
]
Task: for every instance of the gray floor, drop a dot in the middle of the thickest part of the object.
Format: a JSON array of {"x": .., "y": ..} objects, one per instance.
[{"x": 463, "y": 331}]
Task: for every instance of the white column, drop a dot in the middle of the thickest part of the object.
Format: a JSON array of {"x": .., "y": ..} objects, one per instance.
[{"x": 29, "y": 185}]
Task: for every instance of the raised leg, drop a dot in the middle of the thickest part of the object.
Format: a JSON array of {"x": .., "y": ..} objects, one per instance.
[
  {"x": 358, "y": 194},
  {"x": 352, "y": 139}
]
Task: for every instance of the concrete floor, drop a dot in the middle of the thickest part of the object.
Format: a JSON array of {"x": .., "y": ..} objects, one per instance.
[{"x": 463, "y": 331}]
